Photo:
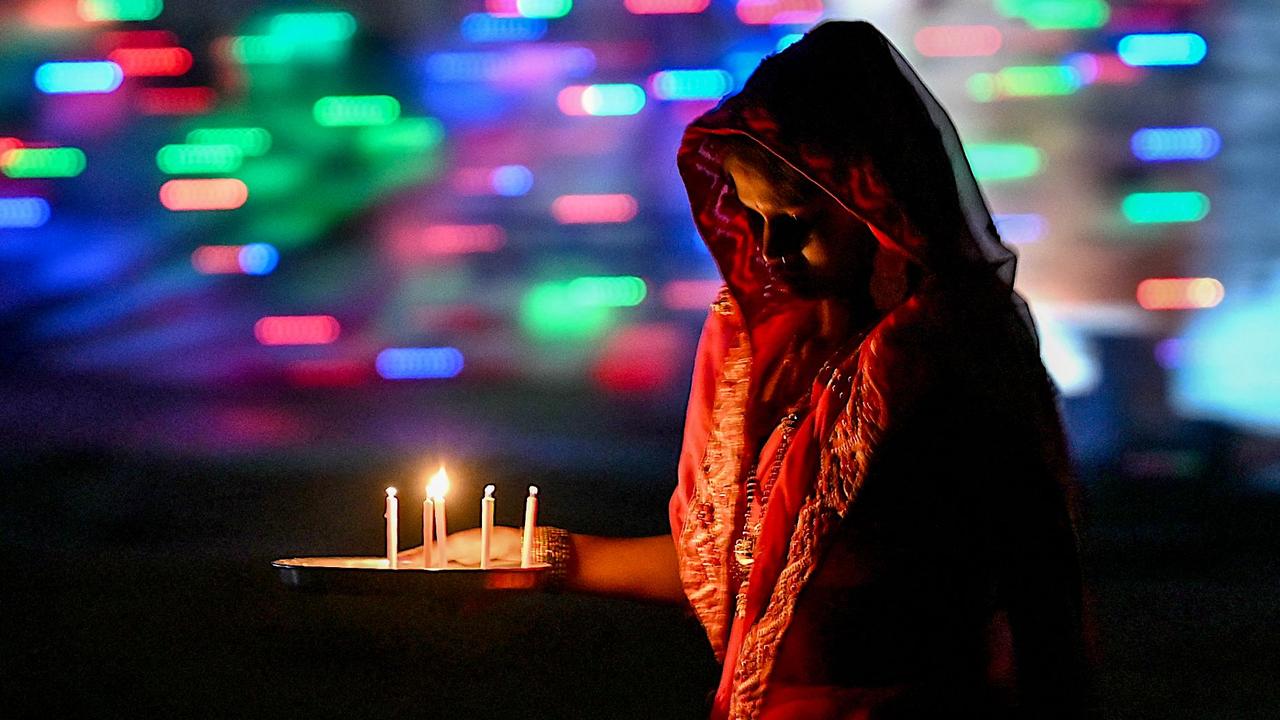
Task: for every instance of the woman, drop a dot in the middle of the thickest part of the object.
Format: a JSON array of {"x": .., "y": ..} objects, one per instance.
[{"x": 872, "y": 517}]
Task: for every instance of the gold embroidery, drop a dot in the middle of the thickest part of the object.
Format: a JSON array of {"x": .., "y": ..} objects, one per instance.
[
  {"x": 704, "y": 540},
  {"x": 723, "y": 304}
]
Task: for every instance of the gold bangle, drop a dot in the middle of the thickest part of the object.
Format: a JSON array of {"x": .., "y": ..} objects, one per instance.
[{"x": 551, "y": 546}]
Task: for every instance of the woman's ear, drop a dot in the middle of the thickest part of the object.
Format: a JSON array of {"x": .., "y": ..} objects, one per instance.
[{"x": 890, "y": 280}]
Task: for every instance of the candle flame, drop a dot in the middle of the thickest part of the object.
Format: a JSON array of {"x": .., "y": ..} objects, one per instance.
[
  {"x": 438, "y": 485},
  {"x": 391, "y": 492},
  {"x": 488, "y": 491},
  {"x": 533, "y": 490}
]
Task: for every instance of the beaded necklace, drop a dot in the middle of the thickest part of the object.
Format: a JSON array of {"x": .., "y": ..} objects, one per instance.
[{"x": 744, "y": 546}]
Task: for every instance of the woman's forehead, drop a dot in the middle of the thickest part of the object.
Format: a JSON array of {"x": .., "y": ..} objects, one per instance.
[{"x": 764, "y": 188}]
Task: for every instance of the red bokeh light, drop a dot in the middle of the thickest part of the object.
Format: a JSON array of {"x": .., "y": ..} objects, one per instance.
[
  {"x": 204, "y": 194},
  {"x": 1180, "y": 293},
  {"x": 576, "y": 209},
  {"x": 958, "y": 40},
  {"x": 665, "y": 7},
  {"x": 297, "y": 329},
  {"x": 149, "y": 62}
]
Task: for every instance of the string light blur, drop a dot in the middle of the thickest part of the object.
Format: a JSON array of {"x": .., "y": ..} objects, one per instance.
[
  {"x": 1165, "y": 207},
  {"x": 297, "y": 330},
  {"x": 204, "y": 194},
  {"x": 958, "y": 40},
  {"x": 994, "y": 162},
  {"x": 419, "y": 363},
  {"x": 1162, "y": 49},
  {"x": 1180, "y": 293},
  {"x": 23, "y": 212},
  {"x": 1169, "y": 144},
  {"x": 79, "y": 77},
  {"x": 119, "y": 10},
  {"x": 63, "y": 162}
]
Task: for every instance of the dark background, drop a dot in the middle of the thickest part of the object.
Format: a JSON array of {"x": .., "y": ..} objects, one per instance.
[{"x": 155, "y": 455}]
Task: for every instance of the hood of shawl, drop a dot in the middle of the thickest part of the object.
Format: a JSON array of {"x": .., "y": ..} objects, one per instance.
[{"x": 835, "y": 107}]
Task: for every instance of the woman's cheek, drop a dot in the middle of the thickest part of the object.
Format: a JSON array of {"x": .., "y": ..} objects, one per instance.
[{"x": 816, "y": 254}]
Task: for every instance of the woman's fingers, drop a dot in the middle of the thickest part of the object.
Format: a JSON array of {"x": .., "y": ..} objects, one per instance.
[
  {"x": 464, "y": 547},
  {"x": 411, "y": 555},
  {"x": 504, "y": 545}
]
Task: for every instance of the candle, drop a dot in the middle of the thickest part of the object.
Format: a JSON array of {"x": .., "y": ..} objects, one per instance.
[
  {"x": 428, "y": 511},
  {"x": 530, "y": 520},
  {"x": 393, "y": 529},
  {"x": 438, "y": 486},
  {"x": 486, "y": 526}
]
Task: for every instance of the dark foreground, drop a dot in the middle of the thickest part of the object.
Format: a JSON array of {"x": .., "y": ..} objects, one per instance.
[{"x": 141, "y": 588}]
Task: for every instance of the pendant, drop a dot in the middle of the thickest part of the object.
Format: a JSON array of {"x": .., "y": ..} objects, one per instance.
[{"x": 743, "y": 551}]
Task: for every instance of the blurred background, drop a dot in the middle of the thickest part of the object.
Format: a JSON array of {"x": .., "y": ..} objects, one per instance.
[{"x": 259, "y": 260}]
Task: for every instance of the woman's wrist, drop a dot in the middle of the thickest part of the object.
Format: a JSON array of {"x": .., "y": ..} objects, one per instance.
[{"x": 553, "y": 546}]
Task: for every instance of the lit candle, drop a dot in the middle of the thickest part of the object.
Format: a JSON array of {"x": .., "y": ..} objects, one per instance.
[
  {"x": 428, "y": 512},
  {"x": 438, "y": 486},
  {"x": 393, "y": 529},
  {"x": 530, "y": 520},
  {"x": 486, "y": 526}
]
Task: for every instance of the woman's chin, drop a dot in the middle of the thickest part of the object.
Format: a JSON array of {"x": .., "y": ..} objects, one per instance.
[{"x": 805, "y": 286}]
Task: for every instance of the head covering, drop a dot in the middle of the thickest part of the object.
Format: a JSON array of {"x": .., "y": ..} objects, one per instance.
[{"x": 843, "y": 108}]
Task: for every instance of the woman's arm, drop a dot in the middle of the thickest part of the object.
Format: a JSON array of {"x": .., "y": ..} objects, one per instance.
[{"x": 640, "y": 568}]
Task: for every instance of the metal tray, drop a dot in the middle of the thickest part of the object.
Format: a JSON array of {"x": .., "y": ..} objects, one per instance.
[{"x": 371, "y": 576}]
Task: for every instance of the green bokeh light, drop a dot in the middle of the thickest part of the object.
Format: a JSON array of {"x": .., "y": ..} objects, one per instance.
[
  {"x": 119, "y": 10},
  {"x": 252, "y": 141},
  {"x": 553, "y": 311},
  {"x": 1004, "y": 161},
  {"x": 199, "y": 159},
  {"x": 549, "y": 9},
  {"x": 356, "y": 110},
  {"x": 619, "y": 291},
  {"x": 314, "y": 26},
  {"x": 1165, "y": 207},
  {"x": 44, "y": 162},
  {"x": 1057, "y": 14},
  {"x": 1039, "y": 80}
]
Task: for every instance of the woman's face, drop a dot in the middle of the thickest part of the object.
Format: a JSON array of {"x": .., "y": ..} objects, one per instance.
[{"x": 809, "y": 242}]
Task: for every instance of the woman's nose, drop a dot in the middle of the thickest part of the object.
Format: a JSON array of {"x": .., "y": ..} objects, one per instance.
[{"x": 781, "y": 238}]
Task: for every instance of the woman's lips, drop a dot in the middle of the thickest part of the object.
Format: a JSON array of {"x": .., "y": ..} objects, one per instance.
[{"x": 788, "y": 270}]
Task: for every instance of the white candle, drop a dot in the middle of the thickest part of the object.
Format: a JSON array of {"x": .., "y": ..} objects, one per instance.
[
  {"x": 530, "y": 521},
  {"x": 428, "y": 510},
  {"x": 437, "y": 488},
  {"x": 393, "y": 529},
  {"x": 486, "y": 526}
]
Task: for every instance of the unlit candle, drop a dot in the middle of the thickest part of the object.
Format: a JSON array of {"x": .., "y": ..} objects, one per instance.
[
  {"x": 393, "y": 529},
  {"x": 486, "y": 526},
  {"x": 530, "y": 521}
]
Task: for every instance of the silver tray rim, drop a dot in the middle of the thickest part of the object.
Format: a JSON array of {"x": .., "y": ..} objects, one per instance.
[{"x": 344, "y": 574}]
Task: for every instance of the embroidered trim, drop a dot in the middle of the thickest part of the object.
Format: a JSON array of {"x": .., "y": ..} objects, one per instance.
[{"x": 704, "y": 540}]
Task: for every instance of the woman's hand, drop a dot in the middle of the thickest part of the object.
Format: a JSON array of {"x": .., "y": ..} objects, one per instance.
[
  {"x": 411, "y": 557},
  {"x": 641, "y": 568},
  {"x": 464, "y": 547},
  {"x": 504, "y": 546}
]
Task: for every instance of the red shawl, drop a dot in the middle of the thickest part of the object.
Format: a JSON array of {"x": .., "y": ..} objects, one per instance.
[{"x": 924, "y": 494}]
